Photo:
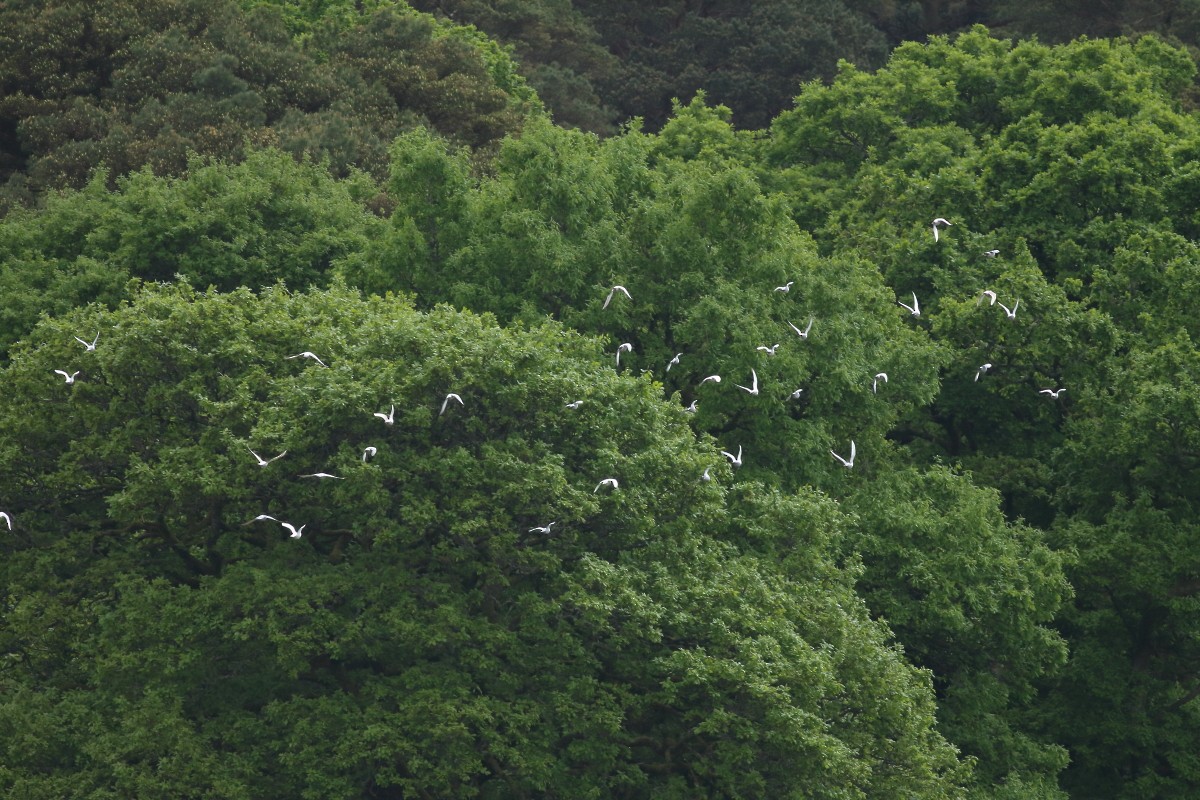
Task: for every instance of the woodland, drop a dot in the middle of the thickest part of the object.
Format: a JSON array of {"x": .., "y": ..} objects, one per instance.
[{"x": 547, "y": 399}]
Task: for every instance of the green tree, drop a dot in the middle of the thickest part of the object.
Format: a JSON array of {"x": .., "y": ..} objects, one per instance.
[
  {"x": 418, "y": 638},
  {"x": 253, "y": 224},
  {"x": 124, "y": 86},
  {"x": 1063, "y": 20},
  {"x": 751, "y": 57},
  {"x": 1068, "y": 174},
  {"x": 1128, "y": 483},
  {"x": 973, "y": 599},
  {"x": 558, "y": 49},
  {"x": 597, "y": 63},
  {"x": 688, "y": 231},
  {"x": 682, "y": 222}
]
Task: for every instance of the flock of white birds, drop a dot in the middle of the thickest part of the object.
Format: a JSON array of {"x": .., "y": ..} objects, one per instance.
[
  {"x": 368, "y": 453},
  {"x": 735, "y": 461},
  {"x": 939, "y": 224}
]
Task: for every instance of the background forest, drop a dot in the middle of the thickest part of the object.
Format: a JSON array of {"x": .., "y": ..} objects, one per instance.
[{"x": 932, "y": 534}]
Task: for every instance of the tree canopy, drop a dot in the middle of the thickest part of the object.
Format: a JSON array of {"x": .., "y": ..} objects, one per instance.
[
  {"x": 1075, "y": 164},
  {"x": 666, "y": 458},
  {"x": 129, "y": 85},
  {"x": 265, "y": 220},
  {"x": 421, "y": 636}
]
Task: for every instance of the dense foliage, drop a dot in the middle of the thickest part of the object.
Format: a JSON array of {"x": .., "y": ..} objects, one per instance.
[
  {"x": 1077, "y": 163},
  {"x": 950, "y": 553},
  {"x": 256, "y": 223},
  {"x": 597, "y": 63},
  {"x": 421, "y": 637},
  {"x": 129, "y": 85}
]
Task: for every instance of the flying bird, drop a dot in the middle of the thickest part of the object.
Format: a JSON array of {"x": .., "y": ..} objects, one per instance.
[
  {"x": 706, "y": 477},
  {"x": 988, "y": 293},
  {"x": 542, "y": 528},
  {"x": 768, "y": 350},
  {"x": 915, "y": 308},
  {"x": 446, "y": 402},
  {"x": 613, "y": 291},
  {"x": 734, "y": 462},
  {"x": 309, "y": 354},
  {"x": 7, "y": 519},
  {"x": 991, "y": 253},
  {"x": 692, "y": 408},
  {"x": 796, "y": 394},
  {"x": 982, "y": 369},
  {"x": 673, "y": 361},
  {"x": 369, "y": 453},
  {"x": 262, "y": 517},
  {"x": 875, "y": 384},
  {"x": 1054, "y": 393},
  {"x": 295, "y": 532},
  {"x": 846, "y": 463},
  {"x": 70, "y": 378},
  {"x": 940, "y": 223},
  {"x": 89, "y": 345},
  {"x": 787, "y": 287},
  {"x": 387, "y": 418},
  {"x": 713, "y": 378},
  {"x": 753, "y": 388},
  {"x": 575, "y": 404},
  {"x": 1010, "y": 312},
  {"x": 322, "y": 475},
  {"x": 625, "y": 348},
  {"x": 803, "y": 334},
  {"x": 262, "y": 462},
  {"x": 609, "y": 482}
]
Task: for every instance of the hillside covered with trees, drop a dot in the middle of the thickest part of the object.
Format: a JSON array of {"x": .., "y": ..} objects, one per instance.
[{"x": 444, "y": 401}]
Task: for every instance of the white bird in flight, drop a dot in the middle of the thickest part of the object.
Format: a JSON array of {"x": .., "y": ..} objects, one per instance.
[
  {"x": 613, "y": 291},
  {"x": 991, "y": 253},
  {"x": 624, "y": 348},
  {"x": 713, "y": 378},
  {"x": 1054, "y": 393},
  {"x": 982, "y": 369},
  {"x": 875, "y": 386},
  {"x": 846, "y": 463},
  {"x": 673, "y": 361},
  {"x": 387, "y": 418},
  {"x": 262, "y": 517},
  {"x": 915, "y": 308},
  {"x": 940, "y": 223},
  {"x": 7, "y": 519},
  {"x": 446, "y": 402},
  {"x": 322, "y": 475},
  {"x": 796, "y": 394},
  {"x": 89, "y": 345},
  {"x": 70, "y": 378},
  {"x": 753, "y": 388},
  {"x": 787, "y": 287},
  {"x": 262, "y": 462},
  {"x": 311, "y": 355},
  {"x": 692, "y": 408},
  {"x": 1010, "y": 312},
  {"x": 609, "y": 482},
  {"x": 575, "y": 404},
  {"x": 734, "y": 462},
  {"x": 295, "y": 533},
  {"x": 803, "y": 334},
  {"x": 768, "y": 350},
  {"x": 369, "y": 453},
  {"x": 542, "y": 528},
  {"x": 988, "y": 293},
  {"x": 706, "y": 477}
]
